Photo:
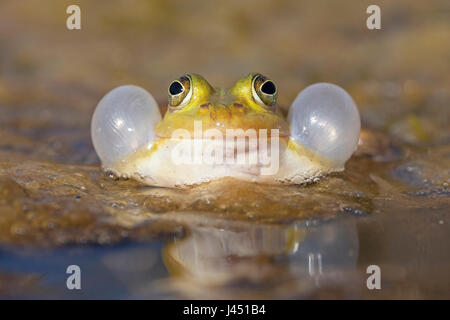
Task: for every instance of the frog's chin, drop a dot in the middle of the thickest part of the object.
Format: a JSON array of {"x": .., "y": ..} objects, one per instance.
[{"x": 182, "y": 163}]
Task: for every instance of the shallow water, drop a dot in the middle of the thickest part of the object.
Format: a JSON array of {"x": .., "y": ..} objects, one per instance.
[
  {"x": 225, "y": 239},
  {"x": 219, "y": 259}
]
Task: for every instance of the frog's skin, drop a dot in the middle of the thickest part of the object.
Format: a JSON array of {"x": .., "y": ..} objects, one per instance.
[{"x": 239, "y": 107}]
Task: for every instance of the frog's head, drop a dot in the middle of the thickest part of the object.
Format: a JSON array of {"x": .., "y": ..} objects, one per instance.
[{"x": 249, "y": 104}]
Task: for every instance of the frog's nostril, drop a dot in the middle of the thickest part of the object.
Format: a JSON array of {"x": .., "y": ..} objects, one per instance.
[
  {"x": 268, "y": 87},
  {"x": 205, "y": 106}
]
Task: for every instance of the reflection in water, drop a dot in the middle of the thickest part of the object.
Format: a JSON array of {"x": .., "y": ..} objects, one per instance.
[
  {"x": 236, "y": 259},
  {"x": 242, "y": 260}
]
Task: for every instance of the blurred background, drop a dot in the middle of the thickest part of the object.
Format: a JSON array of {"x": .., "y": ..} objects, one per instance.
[{"x": 395, "y": 190}]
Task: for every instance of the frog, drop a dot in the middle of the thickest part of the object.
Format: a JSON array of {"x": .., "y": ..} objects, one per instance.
[{"x": 239, "y": 132}]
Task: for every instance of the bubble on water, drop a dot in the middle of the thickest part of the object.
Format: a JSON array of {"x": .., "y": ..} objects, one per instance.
[{"x": 325, "y": 119}]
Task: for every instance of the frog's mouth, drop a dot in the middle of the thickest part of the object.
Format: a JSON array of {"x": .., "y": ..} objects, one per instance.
[{"x": 223, "y": 119}]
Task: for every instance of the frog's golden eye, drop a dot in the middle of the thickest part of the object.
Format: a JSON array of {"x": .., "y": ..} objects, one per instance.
[
  {"x": 180, "y": 91},
  {"x": 264, "y": 91}
]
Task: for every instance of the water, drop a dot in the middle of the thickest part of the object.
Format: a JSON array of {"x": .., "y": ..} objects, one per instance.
[{"x": 220, "y": 259}]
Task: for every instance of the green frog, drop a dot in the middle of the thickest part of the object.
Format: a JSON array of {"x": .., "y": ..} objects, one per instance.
[{"x": 212, "y": 133}]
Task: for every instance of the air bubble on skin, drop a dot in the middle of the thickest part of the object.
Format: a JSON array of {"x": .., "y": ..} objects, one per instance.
[{"x": 324, "y": 118}]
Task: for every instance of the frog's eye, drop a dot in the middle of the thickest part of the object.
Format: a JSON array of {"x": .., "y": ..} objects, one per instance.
[
  {"x": 325, "y": 119},
  {"x": 264, "y": 91},
  {"x": 180, "y": 91}
]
